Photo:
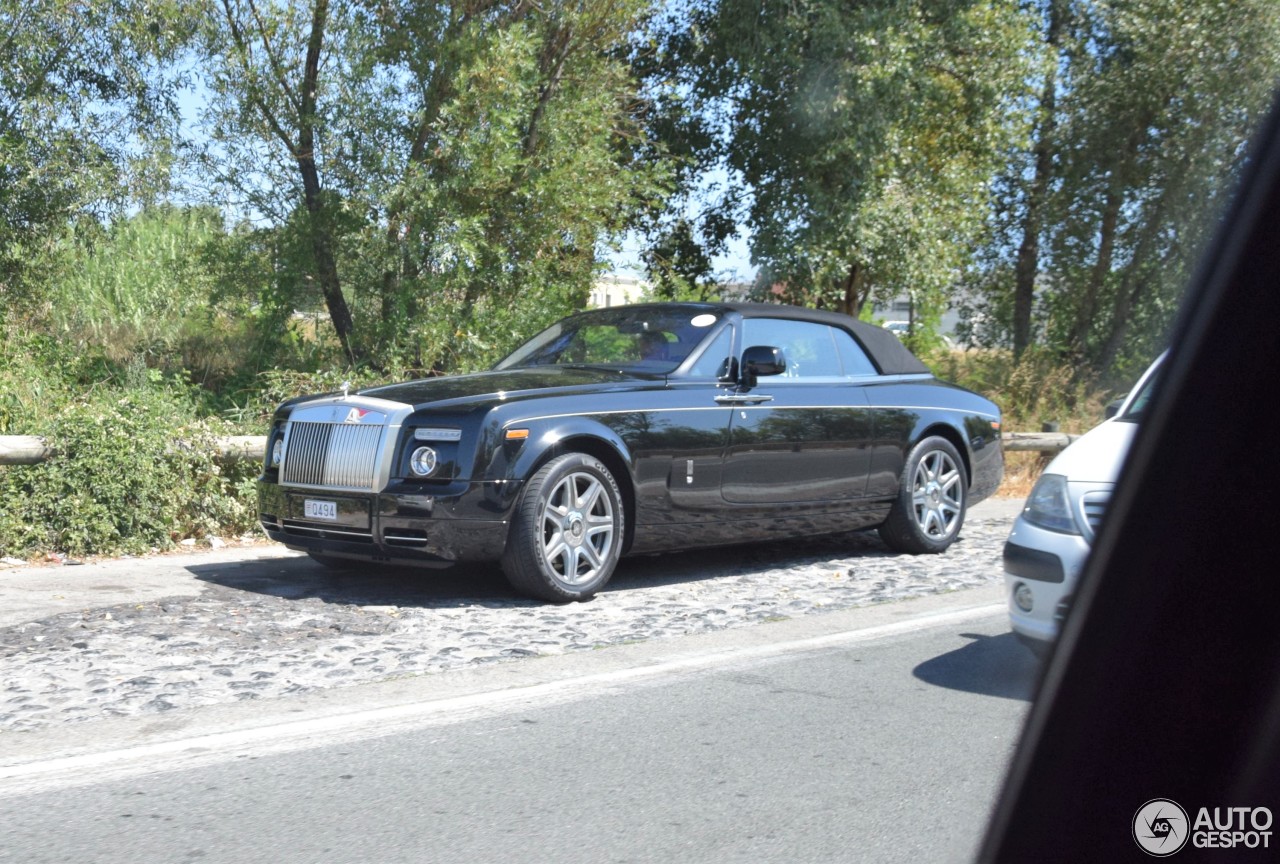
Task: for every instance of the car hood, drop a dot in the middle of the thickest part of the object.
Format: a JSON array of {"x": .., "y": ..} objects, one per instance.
[
  {"x": 1096, "y": 457},
  {"x": 508, "y": 385}
]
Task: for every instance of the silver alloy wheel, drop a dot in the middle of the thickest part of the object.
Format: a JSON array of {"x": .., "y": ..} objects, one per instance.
[
  {"x": 937, "y": 495},
  {"x": 577, "y": 528}
]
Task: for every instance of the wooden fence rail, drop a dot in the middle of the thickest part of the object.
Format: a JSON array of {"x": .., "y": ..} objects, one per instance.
[{"x": 30, "y": 450}]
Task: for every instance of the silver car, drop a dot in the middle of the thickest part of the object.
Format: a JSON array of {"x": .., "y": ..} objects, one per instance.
[{"x": 1050, "y": 540}]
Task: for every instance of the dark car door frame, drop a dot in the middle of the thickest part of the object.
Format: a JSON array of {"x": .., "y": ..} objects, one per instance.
[{"x": 796, "y": 441}]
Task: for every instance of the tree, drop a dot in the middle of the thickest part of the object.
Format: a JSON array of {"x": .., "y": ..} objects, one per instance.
[
  {"x": 1142, "y": 119},
  {"x": 1036, "y": 190},
  {"x": 678, "y": 265},
  {"x": 87, "y": 115},
  {"x": 269, "y": 89},
  {"x": 1153, "y": 132},
  {"x": 860, "y": 138},
  {"x": 450, "y": 162}
]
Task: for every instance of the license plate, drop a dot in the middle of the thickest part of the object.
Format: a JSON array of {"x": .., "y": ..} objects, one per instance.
[{"x": 326, "y": 510}]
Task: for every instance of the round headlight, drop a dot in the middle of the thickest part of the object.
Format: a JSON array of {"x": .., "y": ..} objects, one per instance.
[
  {"x": 277, "y": 453},
  {"x": 423, "y": 462}
]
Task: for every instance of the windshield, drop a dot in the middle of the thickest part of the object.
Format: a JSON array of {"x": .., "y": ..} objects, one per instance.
[
  {"x": 640, "y": 339},
  {"x": 1138, "y": 404}
]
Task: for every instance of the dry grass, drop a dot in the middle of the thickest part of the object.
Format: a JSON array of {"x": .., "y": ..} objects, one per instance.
[
  {"x": 1036, "y": 389},
  {"x": 1021, "y": 470}
]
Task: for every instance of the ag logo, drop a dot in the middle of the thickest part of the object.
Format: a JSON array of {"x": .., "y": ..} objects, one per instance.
[{"x": 1160, "y": 827}]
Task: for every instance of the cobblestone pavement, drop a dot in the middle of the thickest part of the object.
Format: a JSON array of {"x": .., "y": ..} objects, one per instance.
[{"x": 279, "y": 626}]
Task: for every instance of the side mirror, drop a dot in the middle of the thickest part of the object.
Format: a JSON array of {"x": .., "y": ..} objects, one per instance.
[
  {"x": 728, "y": 372},
  {"x": 1113, "y": 408},
  {"x": 761, "y": 360}
]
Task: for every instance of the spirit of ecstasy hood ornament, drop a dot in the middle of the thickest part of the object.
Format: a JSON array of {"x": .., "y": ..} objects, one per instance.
[{"x": 346, "y": 386}]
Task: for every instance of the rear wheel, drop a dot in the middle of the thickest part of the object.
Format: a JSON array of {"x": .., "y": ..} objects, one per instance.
[
  {"x": 566, "y": 534},
  {"x": 930, "y": 508}
]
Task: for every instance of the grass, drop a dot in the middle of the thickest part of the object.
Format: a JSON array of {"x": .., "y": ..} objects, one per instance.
[
  {"x": 1021, "y": 470},
  {"x": 1035, "y": 389}
]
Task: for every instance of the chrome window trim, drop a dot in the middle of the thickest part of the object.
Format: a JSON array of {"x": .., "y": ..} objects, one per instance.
[{"x": 531, "y": 419}]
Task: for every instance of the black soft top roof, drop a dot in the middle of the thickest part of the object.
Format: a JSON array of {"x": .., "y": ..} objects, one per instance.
[{"x": 884, "y": 348}]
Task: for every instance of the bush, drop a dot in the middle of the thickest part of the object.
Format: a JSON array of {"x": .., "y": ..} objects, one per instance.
[
  {"x": 131, "y": 474},
  {"x": 1037, "y": 388}
]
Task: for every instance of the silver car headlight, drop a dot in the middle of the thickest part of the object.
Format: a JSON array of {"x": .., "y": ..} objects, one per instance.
[
  {"x": 1048, "y": 505},
  {"x": 277, "y": 452},
  {"x": 423, "y": 462}
]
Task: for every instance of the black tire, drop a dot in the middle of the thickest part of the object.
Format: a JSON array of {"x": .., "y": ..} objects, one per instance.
[
  {"x": 933, "y": 493},
  {"x": 569, "y": 517}
]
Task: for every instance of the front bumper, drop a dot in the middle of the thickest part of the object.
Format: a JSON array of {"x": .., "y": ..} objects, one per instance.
[
  {"x": 406, "y": 523},
  {"x": 1047, "y": 564}
]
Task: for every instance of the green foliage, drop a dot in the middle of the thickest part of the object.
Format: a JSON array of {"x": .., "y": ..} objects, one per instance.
[
  {"x": 1158, "y": 118},
  {"x": 859, "y": 138},
  {"x": 1155, "y": 105},
  {"x": 474, "y": 160},
  {"x": 132, "y": 473},
  {"x": 86, "y": 119},
  {"x": 1036, "y": 388},
  {"x": 139, "y": 286},
  {"x": 37, "y": 376}
]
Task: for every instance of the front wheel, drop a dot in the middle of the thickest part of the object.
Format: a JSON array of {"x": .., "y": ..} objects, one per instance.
[
  {"x": 930, "y": 507},
  {"x": 566, "y": 534}
]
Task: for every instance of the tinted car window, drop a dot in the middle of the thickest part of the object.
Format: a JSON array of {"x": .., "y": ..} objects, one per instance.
[
  {"x": 853, "y": 359},
  {"x": 1139, "y": 403},
  {"x": 712, "y": 361},
  {"x": 809, "y": 349}
]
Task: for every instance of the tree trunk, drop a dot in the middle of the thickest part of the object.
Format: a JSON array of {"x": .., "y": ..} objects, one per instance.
[
  {"x": 856, "y": 291},
  {"x": 848, "y": 299},
  {"x": 1088, "y": 306},
  {"x": 1028, "y": 263},
  {"x": 321, "y": 240},
  {"x": 554, "y": 54},
  {"x": 1134, "y": 284},
  {"x": 325, "y": 262}
]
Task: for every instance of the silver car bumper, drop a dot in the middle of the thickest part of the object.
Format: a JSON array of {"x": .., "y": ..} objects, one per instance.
[{"x": 1041, "y": 568}]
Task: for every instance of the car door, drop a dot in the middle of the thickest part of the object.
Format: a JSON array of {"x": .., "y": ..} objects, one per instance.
[{"x": 803, "y": 436}]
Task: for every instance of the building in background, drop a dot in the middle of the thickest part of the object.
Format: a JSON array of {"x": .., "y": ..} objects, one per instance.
[
  {"x": 900, "y": 310},
  {"x": 616, "y": 289}
]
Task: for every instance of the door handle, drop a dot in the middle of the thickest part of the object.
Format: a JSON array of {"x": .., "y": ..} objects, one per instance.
[{"x": 743, "y": 399}]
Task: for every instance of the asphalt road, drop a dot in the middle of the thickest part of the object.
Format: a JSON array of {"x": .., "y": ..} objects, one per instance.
[{"x": 873, "y": 735}]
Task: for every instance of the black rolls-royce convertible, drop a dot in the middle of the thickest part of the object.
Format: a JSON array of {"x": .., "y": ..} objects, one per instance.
[{"x": 635, "y": 429}]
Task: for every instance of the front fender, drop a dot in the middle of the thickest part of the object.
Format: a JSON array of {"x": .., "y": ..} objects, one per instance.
[{"x": 517, "y": 459}]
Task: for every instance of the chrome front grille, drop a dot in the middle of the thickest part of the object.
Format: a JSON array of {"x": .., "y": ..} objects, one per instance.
[
  {"x": 334, "y": 455},
  {"x": 1094, "y": 506}
]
